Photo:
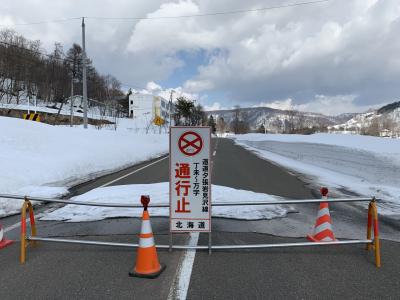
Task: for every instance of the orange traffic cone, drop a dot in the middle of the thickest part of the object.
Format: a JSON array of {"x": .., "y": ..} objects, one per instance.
[
  {"x": 147, "y": 264},
  {"x": 3, "y": 241},
  {"x": 323, "y": 226}
]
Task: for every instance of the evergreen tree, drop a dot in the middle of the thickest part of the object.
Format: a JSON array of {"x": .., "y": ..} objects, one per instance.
[
  {"x": 187, "y": 114},
  {"x": 212, "y": 124}
]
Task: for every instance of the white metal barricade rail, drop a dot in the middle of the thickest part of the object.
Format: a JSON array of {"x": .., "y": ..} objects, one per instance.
[{"x": 372, "y": 241}]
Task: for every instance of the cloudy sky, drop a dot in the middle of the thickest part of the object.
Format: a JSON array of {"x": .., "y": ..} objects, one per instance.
[{"x": 329, "y": 57}]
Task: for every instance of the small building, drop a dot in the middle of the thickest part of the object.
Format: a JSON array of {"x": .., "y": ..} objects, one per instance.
[
  {"x": 149, "y": 106},
  {"x": 386, "y": 133}
]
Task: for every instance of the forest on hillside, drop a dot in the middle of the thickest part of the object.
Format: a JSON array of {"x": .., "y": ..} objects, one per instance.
[{"x": 26, "y": 70}]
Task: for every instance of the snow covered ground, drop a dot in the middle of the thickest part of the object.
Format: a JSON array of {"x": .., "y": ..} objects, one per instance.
[
  {"x": 159, "y": 194},
  {"x": 43, "y": 160},
  {"x": 136, "y": 126},
  {"x": 369, "y": 166},
  {"x": 141, "y": 124},
  {"x": 93, "y": 112}
]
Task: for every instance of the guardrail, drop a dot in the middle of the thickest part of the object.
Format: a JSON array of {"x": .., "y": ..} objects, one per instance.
[
  {"x": 372, "y": 240},
  {"x": 124, "y": 205}
]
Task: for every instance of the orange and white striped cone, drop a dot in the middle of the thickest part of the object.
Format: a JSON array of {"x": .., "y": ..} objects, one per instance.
[
  {"x": 147, "y": 264},
  {"x": 323, "y": 226},
  {"x": 3, "y": 241}
]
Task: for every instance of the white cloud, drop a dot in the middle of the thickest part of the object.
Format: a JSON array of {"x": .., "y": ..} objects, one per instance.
[
  {"x": 335, "y": 105},
  {"x": 214, "y": 106},
  {"x": 198, "y": 85},
  {"x": 335, "y": 48},
  {"x": 278, "y": 104},
  {"x": 299, "y": 53},
  {"x": 156, "y": 89},
  {"x": 166, "y": 36},
  {"x": 153, "y": 87}
]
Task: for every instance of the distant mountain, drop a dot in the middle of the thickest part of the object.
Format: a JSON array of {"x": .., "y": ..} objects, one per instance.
[
  {"x": 276, "y": 120},
  {"x": 383, "y": 121},
  {"x": 345, "y": 117},
  {"x": 389, "y": 108}
]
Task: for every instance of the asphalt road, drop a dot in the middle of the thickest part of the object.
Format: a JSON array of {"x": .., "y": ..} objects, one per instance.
[{"x": 86, "y": 272}]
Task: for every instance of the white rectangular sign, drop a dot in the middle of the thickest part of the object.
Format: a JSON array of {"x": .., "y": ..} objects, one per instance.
[{"x": 190, "y": 179}]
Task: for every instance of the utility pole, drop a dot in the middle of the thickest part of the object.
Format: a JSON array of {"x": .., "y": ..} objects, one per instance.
[
  {"x": 170, "y": 107},
  {"x": 84, "y": 88},
  {"x": 71, "y": 103}
]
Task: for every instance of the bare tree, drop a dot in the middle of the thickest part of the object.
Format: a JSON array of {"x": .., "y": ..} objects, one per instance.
[
  {"x": 301, "y": 121},
  {"x": 388, "y": 123},
  {"x": 290, "y": 121},
  {"x": 239, "y": 124},
  {"x": 374, "y": 128},
  {"x": 25, "y": 70},
  {"x": 221, "y": 125}
]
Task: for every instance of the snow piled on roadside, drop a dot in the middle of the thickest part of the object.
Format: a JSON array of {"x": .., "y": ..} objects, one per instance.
[
  {"x": 369, "y": 166},
  {"x": 159, "y": 194},
  {"x": 40, "y": 159},
  {"x": 374, "y": 144},
  {"x": 11, "y": 206}
]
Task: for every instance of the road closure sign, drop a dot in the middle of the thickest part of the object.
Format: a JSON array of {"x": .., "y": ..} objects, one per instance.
[{"x": 190, "y": 180}]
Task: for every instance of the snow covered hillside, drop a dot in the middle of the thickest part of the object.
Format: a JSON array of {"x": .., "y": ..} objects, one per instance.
[
  {"x": 42, "y": 160},
  {"x": 275, "y": 120},
  {"x": 384, "y": 122},
  {"x": 369, "y": 166}
]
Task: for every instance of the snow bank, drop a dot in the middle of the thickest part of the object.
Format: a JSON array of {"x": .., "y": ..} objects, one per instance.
[
  {"x": 378, "y": 145},
  {"x": 142, "y": 124},
  {"x": 159, "y": 193},
  {"x": 34, "y": 155},
  {"x": 369, "y": 166}
]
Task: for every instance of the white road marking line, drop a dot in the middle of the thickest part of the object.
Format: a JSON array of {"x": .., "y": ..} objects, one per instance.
[
  {"x": 16, "y": 225},
  {"x": 180, "y": 284},
  {"x": 215, "y": 152},
  {"x": 9, "y": 228},
  {"x": 133, "y": 172}
]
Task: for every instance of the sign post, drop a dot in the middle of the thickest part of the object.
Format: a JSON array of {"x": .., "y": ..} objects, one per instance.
[{"x": 190, "y": 179}]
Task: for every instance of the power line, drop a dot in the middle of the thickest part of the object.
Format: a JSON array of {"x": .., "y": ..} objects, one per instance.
[
  {"x": 44, "y": 22},
  {"x": 240, "y": 11},
  {"x": 232, "y": 12}
]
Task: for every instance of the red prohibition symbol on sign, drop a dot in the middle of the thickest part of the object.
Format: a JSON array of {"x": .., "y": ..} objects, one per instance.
[{"x": 190, "y": 143}]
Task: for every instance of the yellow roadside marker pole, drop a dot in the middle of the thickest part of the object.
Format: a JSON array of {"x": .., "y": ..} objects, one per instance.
[
  {"x": 26, "y": 205},
  {"x": 373, "y": 222}
]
